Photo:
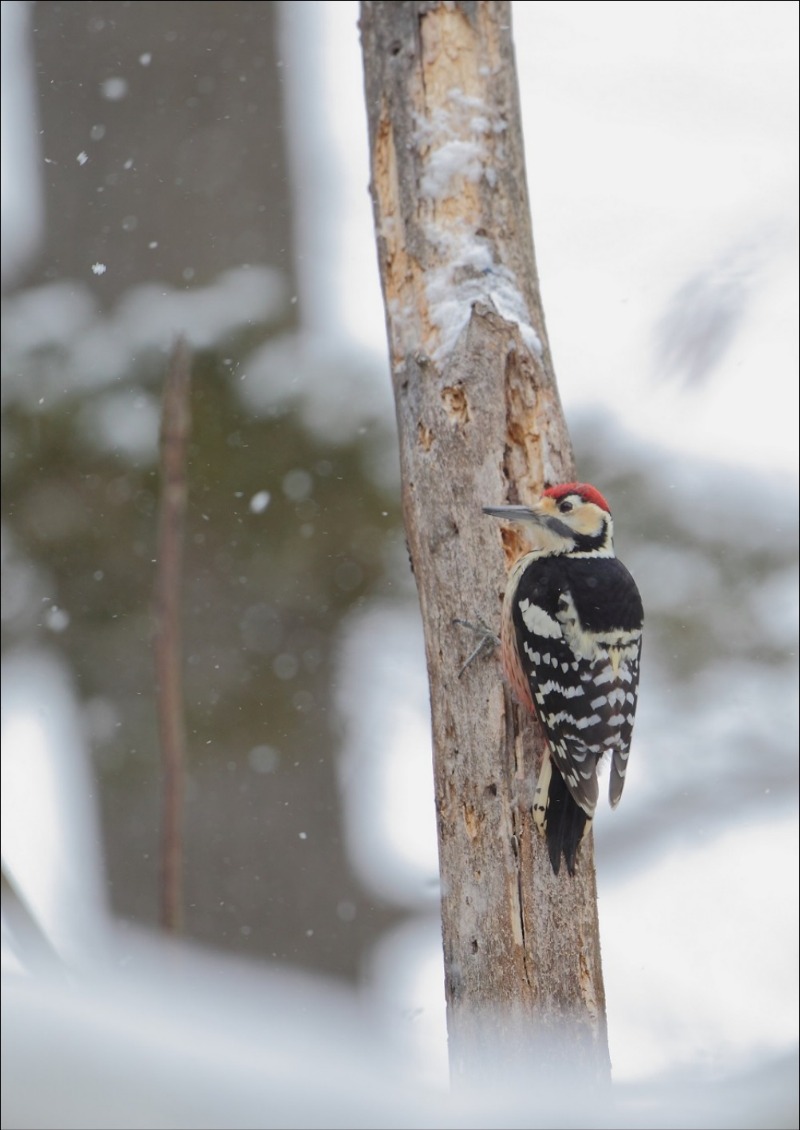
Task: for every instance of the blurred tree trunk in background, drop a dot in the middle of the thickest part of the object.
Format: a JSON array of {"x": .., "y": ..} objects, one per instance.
[
  {"x": 161, "y": 132},
  {"x": 480, "y": 422},
  {"x": 161, "y": 151}
]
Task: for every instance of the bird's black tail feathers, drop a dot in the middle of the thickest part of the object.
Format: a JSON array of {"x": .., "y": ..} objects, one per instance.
[{"x": 565, "y": 824}]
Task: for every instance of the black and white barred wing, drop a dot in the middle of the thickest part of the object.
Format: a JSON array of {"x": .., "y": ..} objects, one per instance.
[
  {"x": 600, "y": 609},
  {"x": 584, "y": 684},
  {"x": 558, "y": 682},
  {"x": 622, "y": 695}
]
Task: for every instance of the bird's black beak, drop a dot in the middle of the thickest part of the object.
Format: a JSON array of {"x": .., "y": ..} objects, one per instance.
[
  {"x": 532, "y": 514},
  {"x": 514, "y": 513}
]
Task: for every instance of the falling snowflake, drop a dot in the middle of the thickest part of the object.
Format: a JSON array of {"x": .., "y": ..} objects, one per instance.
[
  {"x": 259, "y": 502},
  {"x": 114, "y": 88}
]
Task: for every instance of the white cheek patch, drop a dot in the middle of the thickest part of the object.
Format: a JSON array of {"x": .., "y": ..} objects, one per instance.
[{"x": 539, "y": 622}]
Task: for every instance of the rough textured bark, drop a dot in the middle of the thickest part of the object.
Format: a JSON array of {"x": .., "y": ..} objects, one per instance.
[{"x": 480, "y": 423}]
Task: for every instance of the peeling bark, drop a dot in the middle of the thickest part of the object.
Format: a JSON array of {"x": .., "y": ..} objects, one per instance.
[{"x": 480, "y": 422}]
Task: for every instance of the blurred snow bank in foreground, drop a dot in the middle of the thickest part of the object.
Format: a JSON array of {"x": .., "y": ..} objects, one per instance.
[{"x": 176, "y": 1038}]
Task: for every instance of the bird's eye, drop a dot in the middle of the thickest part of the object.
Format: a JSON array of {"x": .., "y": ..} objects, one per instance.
[{"x": 565, "y": 507}]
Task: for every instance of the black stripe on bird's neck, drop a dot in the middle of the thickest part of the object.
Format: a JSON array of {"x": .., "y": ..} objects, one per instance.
[{"x": 593, "y": 543}]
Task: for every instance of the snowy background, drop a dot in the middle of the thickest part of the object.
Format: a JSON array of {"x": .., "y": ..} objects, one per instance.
[{"x": 662, "y": 165}]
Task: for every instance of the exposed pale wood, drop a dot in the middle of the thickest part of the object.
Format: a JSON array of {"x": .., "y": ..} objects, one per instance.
[{"x": 480, "y": 422}]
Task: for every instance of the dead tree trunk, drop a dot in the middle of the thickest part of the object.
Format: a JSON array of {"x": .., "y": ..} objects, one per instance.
[{"x": 480, "y": 422}]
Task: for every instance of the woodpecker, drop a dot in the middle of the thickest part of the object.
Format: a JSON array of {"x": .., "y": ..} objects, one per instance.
[{"x": 570, "y": 642}]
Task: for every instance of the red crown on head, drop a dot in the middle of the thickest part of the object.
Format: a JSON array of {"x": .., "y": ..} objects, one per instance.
[{"x": 587, "y": 492}]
